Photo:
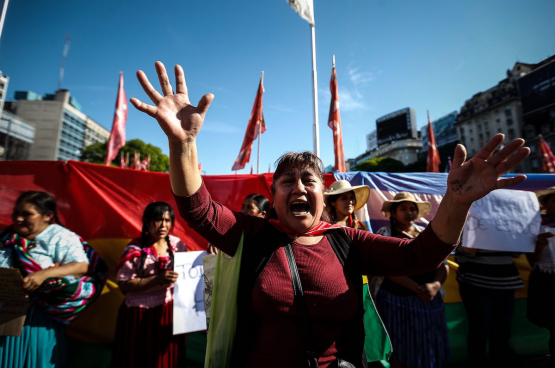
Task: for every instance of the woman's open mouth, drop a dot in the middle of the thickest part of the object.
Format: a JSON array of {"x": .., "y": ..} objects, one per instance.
[{"x": 299, "y": 208}]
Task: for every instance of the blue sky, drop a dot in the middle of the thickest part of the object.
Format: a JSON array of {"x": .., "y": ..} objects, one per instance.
[{"x": 390, "y": 54}]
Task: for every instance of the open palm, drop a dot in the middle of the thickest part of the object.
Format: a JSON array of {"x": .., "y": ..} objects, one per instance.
[
  {"x": 180, "y": 120},
  {"x": 471, "y": 180}
]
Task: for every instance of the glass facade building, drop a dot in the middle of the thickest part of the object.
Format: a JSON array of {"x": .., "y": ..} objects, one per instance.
[{"x": 72, "y": 137}]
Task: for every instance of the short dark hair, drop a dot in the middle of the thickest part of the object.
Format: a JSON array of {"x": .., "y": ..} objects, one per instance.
[
  {"x": 295, "y": 160},
  {"x": 262, "y": 203},
  {"x": 43, "y": 202}
]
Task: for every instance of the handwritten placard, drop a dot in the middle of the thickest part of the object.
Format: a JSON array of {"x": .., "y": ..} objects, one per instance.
[
  {"x": 504, "y": 220},
  {"x": 13, "y": 302},
  {"x": 189, "y": 313}
]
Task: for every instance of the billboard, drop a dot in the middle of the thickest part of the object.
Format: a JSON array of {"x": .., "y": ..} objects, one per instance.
[
  {"x": 444, "y": 131},
  {"x": 398, "y": 125},
  {"x": 537, "y": 88}
]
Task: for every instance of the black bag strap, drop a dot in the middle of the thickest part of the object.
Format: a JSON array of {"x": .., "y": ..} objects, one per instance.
[{"x": 301, "y": 307}]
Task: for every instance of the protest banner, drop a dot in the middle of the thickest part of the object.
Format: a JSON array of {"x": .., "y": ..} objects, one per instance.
[
  {"x": 504, "y": 220},
  {"x": 209, "y": 263},
  {"x": 13, "y": 302},
  {"x": 189, "y": 313}
]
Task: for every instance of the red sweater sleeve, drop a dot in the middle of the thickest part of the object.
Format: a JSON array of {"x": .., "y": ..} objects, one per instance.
[
  {"x": 216, "y": 223},
  {"x": 387, "y": 256}
]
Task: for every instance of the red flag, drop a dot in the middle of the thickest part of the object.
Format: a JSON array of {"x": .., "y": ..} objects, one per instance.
[
  {"x": 548, "y": 157},
  {"x": 200, "y": 167},
  {"x": 334, "y": 122},
  {"x": 433, "y": 155},
  {"x": 256, "y": 124},
  {"x": 117, "y": 136}
]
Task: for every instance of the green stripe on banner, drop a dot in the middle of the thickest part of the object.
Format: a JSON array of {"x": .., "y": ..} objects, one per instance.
[{"x": 527, "y": 339}]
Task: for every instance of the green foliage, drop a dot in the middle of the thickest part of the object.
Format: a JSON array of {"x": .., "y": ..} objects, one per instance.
[
  {"x": 381, "y": 164},
  {"x": 96, "y": 153}
]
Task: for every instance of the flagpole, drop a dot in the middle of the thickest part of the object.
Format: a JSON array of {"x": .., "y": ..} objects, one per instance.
[
  {"x": 316, "y": 131},
  {"x": 259, "y": 130}
]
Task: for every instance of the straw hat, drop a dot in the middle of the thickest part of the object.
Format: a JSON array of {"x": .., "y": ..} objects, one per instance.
[
  {"x": 424, "y": 207},
  {"x": 362, "y": 192},
  {"x": 542, "y": 194}
]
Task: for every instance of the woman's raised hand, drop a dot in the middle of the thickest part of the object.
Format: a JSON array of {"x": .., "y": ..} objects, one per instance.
[
  {"x": 180, "y": 120},
  {"x": 471, "y": 180}
]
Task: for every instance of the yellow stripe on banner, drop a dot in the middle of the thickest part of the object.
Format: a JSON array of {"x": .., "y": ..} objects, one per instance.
[
  {"x": 98, "y": 322},
  {"x": 451, "y": 286},
  {"x": 364, "y": 280}
]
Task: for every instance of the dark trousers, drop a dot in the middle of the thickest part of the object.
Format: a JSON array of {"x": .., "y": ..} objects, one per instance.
[{"x": 489, "y": 315}]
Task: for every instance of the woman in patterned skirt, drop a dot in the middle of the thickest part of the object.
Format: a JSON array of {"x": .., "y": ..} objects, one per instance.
[{"x": 411, "y": 307}]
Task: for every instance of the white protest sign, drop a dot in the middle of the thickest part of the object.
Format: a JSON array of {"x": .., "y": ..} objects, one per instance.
[
  {"x": 188, "y": 294},
  {"x": 504, "y": 220}
]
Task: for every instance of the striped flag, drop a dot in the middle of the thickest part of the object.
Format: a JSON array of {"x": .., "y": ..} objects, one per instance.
[
  {"x": 334, "y": 122},
  {"x": 548, "y": 164},
  {"x": 255, "y": 126},
  {"x": 433, "y": 154},
  {"x": 117, "y": 136}
]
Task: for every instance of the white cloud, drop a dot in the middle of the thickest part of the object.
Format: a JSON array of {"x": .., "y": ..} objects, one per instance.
[
  {"x": 279, "y": 108},
  {"x": 358, "y": 77},
  {"x": 218, "y": 127},
  {"x": 348, "y": 100}
]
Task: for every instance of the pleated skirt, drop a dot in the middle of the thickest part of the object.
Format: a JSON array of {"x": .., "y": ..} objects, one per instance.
[
  {"x": 42, "y": 343},
  {"x": 417, "y": 329},
  {"x": 144, "y": 339},
  {"x": 541, "y": 299}
]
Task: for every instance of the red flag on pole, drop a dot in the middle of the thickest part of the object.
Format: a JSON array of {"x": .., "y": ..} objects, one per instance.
[
  {"x": 433, "y": 155},
  {"x": 334, "y": 122},
  {"x": 117, "y": 136},
  {"x": 256, "y": 123},
  {"x": 548, "y": 157}
]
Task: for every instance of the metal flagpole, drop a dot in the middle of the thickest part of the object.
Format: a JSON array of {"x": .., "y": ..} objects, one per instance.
[
  {"x": 3, "y": 14},
  {"x": 259, "y": 130},
  {"x": 316, "y": 131}
]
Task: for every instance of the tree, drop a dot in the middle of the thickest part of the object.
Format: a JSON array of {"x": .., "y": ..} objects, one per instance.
[
  {"x": 382, "y": 164},
  {"x": 96, "y": 153}
]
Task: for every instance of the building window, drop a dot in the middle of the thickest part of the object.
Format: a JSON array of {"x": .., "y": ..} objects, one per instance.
[
  {"x": 499, "y": 130},
  {"x": 461, "y": 129},
  {"x": 470, "y": 130},
  {"x": 535, "y": 164},
  {"x": 480, "y": 127},
  {"x": 406, "y": 157},
  {"x": 498, "y": 121}
]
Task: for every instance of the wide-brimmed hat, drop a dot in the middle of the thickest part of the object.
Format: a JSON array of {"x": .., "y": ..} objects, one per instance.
[
  {"x": 424, "y": 207},
  {"x": 362, "y": 192},
  {"x": 542, "y": 194}
]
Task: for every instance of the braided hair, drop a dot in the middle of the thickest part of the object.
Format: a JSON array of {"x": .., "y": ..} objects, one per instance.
[
  {"x": 352, "y": 221},
  {"x": 43, "y": 202},
  {"x": 154, "y": 212},
  {"x": 392, "y": 221}
]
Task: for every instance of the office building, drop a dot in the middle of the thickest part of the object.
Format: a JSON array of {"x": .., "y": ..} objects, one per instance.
[{"x": 62, "y": 130}]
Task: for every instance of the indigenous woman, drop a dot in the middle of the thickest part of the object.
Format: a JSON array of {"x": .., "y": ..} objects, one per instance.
[
  {"x": 144, "y": 331},
  {"x": 342, "y": 200},
  {"x": 271, "y": 332},
  {"x": 52, "y": 261},
  {"x": 254, "y": 205},
  {"x": 411, "y": 307},
  {"x": 541, "y": 287}
]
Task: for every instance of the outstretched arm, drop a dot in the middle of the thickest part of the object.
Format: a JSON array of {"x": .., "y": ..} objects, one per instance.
[
  {"x": 471, "y": 180},
  {"x": 181, "y": 122}
]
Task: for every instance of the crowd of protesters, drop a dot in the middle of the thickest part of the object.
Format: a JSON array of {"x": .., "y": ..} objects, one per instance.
[{"x": 300, "y": 300}]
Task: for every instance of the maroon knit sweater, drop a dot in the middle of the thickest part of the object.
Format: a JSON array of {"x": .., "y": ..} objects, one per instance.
[{"x": 329, "y": 294}]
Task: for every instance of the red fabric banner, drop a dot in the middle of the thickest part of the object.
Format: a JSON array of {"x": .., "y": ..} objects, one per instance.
[
  {"x": 256, "y": 124},
  {"x": 334, "y": 122},
  {"x": 433, "y": 154},
  {"x": 548, "y": 164},
  {"x": 117, "y": 136}
]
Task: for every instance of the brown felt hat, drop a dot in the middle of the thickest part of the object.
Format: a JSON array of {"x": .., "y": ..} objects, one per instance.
[
  {"x": 424, "y": 207},
  {"x": 542, "y": 194}
]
